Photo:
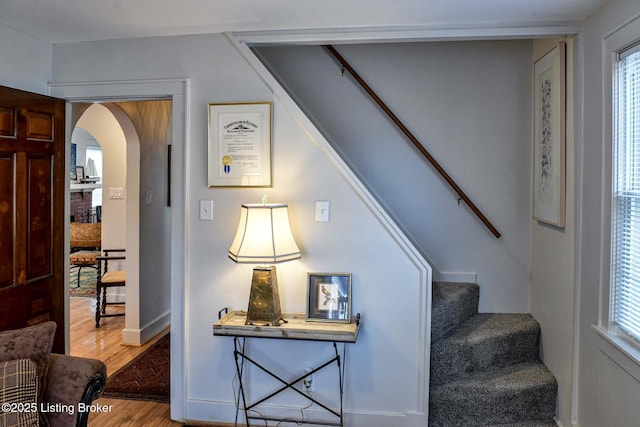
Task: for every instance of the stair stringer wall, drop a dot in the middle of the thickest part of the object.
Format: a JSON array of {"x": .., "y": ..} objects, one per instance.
[
  {"x": 416, "y": 413},
  {"x": 469, "y": 103}
]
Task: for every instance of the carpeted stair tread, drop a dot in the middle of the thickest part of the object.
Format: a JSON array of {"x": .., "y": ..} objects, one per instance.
[
  {"x": 451, "y": 305},
  {"x": 513, "y": 394},
  {"x": 485, "y": 341}
]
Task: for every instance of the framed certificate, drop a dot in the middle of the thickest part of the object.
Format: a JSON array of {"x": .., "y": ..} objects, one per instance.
[{"x": 240, "y": 144}]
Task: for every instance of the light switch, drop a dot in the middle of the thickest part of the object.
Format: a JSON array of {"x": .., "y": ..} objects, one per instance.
[
  {"x": 116, "y": 193},
  {"x": 206, "y": 210},
  {"x": 323, "y": 208}
]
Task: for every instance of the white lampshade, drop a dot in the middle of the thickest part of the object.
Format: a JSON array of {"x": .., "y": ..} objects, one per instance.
[{"x": 264, "y": 235}]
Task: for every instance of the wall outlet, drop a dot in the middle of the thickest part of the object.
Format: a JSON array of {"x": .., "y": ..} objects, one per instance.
[{"x": 309, "y": 382}]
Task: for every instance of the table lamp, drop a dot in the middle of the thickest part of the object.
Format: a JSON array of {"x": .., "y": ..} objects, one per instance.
[{"x": 264, "y": 237}]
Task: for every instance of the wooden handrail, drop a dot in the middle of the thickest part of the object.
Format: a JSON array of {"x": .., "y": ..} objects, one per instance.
[{"x": 414, "y": 140}]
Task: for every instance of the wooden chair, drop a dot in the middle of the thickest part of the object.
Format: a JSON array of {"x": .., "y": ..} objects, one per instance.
[
  {"x": 85, "y": 241},
  {"x": 108, "y": 279}
]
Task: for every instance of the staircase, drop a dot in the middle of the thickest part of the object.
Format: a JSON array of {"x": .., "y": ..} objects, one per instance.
[{"x": 485, "y": 369}]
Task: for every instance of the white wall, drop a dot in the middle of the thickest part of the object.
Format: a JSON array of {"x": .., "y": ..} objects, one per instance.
[
  {"x": 553, "y": 264},
  {"x": 469, "y": 103},
  {"x": 607, "y": 392},
  {"x": 152, "y": 121},
  {"x": 389, "y": 285},
  {"x": 26, "y": 61}
]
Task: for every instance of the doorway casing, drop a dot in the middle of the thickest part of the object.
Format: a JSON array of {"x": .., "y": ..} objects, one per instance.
[{"x": 177, "y": 90}]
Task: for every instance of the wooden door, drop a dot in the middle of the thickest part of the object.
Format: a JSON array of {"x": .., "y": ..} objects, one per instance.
[{"x": 32, "y": 177}]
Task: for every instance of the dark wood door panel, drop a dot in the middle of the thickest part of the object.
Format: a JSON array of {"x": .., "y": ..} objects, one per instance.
[
  {"x": 32, "y": 148},
  {"x": 39, "y": 210},
  {"x": 40, "y": 126},
  {"x": 7, "y": 122},
  {"x": 14, "y": 308},
  {"x": 7, "y": 223}
]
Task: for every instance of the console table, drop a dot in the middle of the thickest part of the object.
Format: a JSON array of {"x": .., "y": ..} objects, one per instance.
[{"x": 296, "y": 328}]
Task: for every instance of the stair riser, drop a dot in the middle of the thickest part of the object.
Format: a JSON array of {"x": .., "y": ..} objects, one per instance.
[
  {"x": 452, "y": 361},
  {"x": 484, "y": 367},
  {"x": 449, "y": 313},
  {"x": 487, "y": 407}
]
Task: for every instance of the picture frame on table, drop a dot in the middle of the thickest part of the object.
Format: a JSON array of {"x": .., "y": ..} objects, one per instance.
[
  {"x": 329, "y": 297},
  {"x": 80, "y": 173},
  {"x": 239, "y": 149},
  {"x": 549, "y": 137}
]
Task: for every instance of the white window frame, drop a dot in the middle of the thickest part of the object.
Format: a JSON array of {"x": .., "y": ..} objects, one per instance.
[
  {"x": 97, "y": 193},
  {"x": 624, "y": 179},
  {"x": 614, "y": 343}
]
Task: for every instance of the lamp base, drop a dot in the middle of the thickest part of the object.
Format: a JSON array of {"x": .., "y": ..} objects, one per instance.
[{"x": 264, "y": 299}]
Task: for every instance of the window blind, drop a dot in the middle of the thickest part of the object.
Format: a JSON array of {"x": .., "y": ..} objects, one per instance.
[{"x": 626, "y": 198}]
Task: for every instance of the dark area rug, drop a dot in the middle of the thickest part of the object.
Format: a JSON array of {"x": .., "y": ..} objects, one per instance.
[{"x": 144, "y": 378}]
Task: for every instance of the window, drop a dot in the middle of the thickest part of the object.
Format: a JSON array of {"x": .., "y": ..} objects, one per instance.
[
  {"x": 625, "y": 232},
  {"x": 95, "y": 155}
]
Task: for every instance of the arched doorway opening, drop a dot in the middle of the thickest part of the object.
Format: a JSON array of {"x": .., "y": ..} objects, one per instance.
[{"x": 135, "y": 137}]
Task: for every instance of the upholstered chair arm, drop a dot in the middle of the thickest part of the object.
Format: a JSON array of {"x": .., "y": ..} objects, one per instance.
[{"x": 72, "y": 380}]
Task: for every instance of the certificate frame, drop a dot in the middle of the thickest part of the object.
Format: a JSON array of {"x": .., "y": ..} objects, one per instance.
[
  {"x": 329, "y": 297},
  {"x": 549, "y": 137},
  {"x": 240, "y": 152}
]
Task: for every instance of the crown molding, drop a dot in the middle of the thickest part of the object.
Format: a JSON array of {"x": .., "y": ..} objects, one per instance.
[{"x": 489, "y": 31}]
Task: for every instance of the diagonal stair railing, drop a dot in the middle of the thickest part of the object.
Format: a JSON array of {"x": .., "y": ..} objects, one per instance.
[{"x": 462, "y": 196}]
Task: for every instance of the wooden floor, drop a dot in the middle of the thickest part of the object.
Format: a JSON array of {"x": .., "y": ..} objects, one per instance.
[{"x": 104, "y": 344}]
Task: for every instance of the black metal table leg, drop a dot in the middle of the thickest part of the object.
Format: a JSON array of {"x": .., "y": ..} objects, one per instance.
[
  {"x": 340, "y": 378},
  {"x": 239, "y": 359},
  {"x": 240, "y": 356}
]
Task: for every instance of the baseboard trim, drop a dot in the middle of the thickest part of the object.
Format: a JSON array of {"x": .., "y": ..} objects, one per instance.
[
  {"x": 225, "y": 412},
  {"x": 153, "y": 328}
]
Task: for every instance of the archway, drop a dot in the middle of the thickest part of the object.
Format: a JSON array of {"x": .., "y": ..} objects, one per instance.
[{"x": 117, "y": 136}]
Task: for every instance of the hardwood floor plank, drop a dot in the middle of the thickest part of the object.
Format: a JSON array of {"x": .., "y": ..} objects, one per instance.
[
  {"x": 104, "y": 343},
  {"x": 132, "y": 413}
]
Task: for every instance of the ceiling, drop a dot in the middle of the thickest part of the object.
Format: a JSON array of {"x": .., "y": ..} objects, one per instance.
[{"x": 61, "y": 21}]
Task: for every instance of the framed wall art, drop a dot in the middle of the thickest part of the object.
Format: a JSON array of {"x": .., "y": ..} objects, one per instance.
[
  {"x": 240, "y": 144},
  {"x": 329, "y": 297},
  {"x": 72, "y": 172},
  {"x": 549, "y": 137}
]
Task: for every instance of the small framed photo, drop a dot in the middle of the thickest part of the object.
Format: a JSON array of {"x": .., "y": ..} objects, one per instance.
[
  {"x": 329, "y": 297},
  {"x": 80, "y": 173}
]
